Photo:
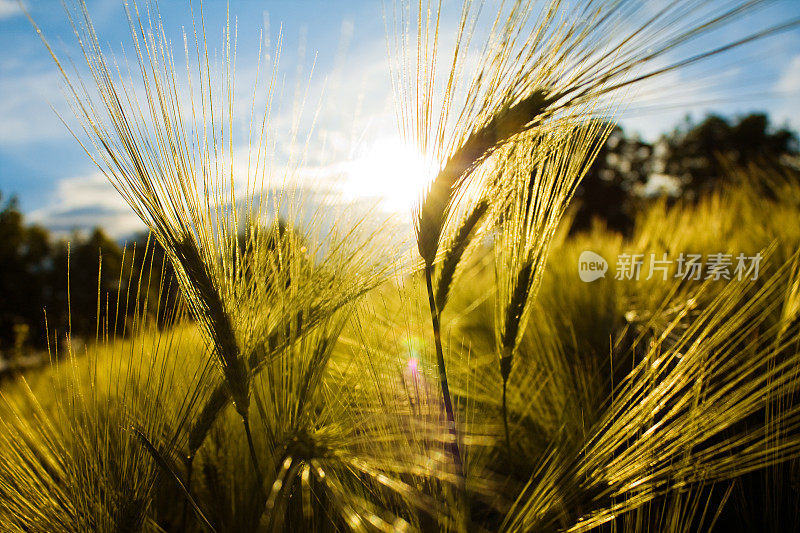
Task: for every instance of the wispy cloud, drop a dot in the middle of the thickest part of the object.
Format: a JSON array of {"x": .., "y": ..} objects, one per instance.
[{"x": 314, "y": 202}]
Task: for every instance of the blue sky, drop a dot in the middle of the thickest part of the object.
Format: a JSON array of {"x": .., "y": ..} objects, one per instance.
[{"x": 58, "y": 186}]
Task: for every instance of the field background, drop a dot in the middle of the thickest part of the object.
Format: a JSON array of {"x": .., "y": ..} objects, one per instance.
[{"x": 269, "y": 359}]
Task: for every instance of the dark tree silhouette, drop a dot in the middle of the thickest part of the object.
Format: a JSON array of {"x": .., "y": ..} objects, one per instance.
[
  {"x": 24, "y": 267},
  {"x": 608, "y": 191},
  {"x": 697, "y": 154},
  {"x": 66, "y": 282},
  {"x": 697, "y": 157}
]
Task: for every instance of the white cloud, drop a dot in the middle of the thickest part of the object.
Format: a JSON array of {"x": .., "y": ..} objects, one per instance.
[
  {"x": 82, "y": 203},
  {"x": 350, "y": 106},
  {"x": 9, "y": 8},
  {"x": 26, "y": 114},
  {"x": 788, "y": 86},
  {"x": 790, "y": 79},
  {"x": 313, "y": 198}
]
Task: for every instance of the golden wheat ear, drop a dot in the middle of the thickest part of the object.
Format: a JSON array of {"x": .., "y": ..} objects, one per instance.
[
  {"x": 440, "y": 197},
  {"x": 210, "y": 310},
  {"x": 540, "y": 174},
  {"x": 455, "y": 251}
]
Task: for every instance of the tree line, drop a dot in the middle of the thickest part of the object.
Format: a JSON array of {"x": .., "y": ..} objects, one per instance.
[
  {"x": 50, "y": 285},
  {"x": 688, "y": 162}
]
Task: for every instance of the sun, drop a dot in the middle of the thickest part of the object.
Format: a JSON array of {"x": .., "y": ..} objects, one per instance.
[{"x": 390, "y": 171}]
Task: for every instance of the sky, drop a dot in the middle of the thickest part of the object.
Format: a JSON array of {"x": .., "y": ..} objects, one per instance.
[{"x": 333, "y": 58}]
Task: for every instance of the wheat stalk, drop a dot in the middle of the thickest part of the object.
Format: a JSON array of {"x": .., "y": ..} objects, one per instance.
[{"x": 526, "y": 76}]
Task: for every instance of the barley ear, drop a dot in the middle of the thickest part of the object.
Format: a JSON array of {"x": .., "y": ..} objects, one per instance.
[
  {"x": 276, "y": 341},
  {"x": 453, "y": 257},
  {"x": 211, "y": 410},
  {"x": 163, "y": 463},
  {"x": 514, "y": 313},
  {"x": 209, "y": 309},
  {"x": 438, "y": 202}
]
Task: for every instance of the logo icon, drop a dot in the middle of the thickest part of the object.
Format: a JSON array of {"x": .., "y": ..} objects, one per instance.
[{"x": 591, "y": 266}]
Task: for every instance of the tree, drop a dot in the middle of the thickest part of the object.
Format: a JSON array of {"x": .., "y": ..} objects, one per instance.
[
  {"x": 695, "y": 157},
  {"x": 66, "y": 283},
  {"x": 697, "y": 154},
  {"x": 74, "y": 281},
  {"x": 24, "y": 263},
  {"x": 608, "y": 191}
]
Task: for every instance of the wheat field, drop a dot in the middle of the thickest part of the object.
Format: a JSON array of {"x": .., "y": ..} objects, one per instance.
[{"x": 313, "y": 379}]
